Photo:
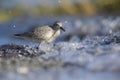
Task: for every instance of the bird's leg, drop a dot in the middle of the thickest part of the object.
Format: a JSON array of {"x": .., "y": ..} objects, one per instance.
[{"x": 38, "y": 45}]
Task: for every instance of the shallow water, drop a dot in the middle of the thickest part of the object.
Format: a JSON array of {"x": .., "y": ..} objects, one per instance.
[{"x": 88, "y": 50}]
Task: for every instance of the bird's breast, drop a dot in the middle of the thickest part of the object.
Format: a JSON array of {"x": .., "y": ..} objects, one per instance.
[
  {"x": 57, "y": 33},
  {"x": 54, "y": 36}
]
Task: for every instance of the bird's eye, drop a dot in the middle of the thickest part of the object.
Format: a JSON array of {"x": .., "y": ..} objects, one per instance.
[{"x": 57, "y": 24}]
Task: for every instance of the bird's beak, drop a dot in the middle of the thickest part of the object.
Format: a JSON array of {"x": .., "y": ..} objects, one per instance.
[{"x": 62, "y": 29}]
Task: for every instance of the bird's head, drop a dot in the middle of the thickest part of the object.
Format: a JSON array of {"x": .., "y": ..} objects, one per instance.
[{"x": 58, "y": 25}]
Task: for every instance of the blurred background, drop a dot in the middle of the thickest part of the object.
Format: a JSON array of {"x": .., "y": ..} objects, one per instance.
[
  {"x": 13, "y": 8},
  {"x": 89, "y": 49}
]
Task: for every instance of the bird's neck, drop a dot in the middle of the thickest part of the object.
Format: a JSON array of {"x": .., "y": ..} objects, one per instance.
[{"x": 55, "y": 28}]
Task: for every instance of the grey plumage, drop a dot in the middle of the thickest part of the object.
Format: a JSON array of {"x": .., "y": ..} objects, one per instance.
[{"x": 43, "y": 34}]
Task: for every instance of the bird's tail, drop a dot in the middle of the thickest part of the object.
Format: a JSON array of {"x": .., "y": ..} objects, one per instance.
[{"x": 17, "y": 35}]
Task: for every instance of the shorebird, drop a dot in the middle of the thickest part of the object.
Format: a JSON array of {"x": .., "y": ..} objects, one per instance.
[{"x": 44, "y": 33}]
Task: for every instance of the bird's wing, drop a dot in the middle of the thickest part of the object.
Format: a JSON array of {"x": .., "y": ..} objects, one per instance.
[{"x": 44, "y": 32}]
